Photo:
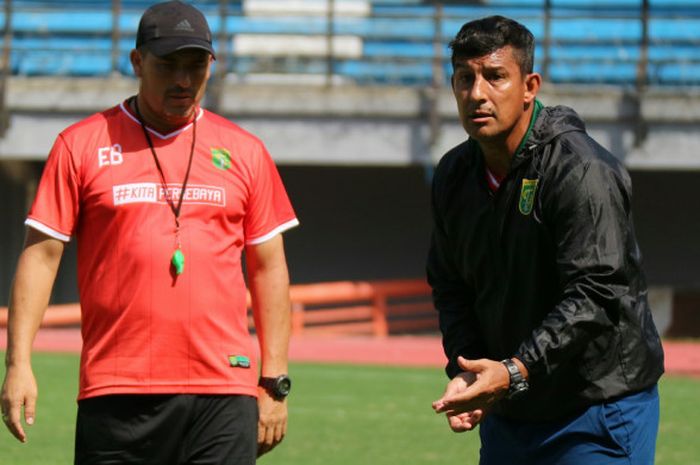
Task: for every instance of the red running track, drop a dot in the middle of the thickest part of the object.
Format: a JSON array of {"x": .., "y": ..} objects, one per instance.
[{"x": 682, "y": 358}]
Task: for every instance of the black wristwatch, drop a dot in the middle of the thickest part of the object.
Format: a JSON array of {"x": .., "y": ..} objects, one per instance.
[
  {"x": 279, "y": 386},
  {"x": 518, "y": 384}
]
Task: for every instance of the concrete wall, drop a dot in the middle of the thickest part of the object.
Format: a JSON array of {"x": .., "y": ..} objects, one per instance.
[{"x": 365, "y": 125}]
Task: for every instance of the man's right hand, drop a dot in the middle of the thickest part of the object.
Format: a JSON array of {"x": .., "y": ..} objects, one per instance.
[
  {"x": 19, "y": 392},
  {"x": 465, "y": 421},
  {"x": 29, "y": 297}
]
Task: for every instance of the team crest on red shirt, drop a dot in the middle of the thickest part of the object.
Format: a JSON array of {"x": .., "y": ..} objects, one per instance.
[{"x": 221, "y": 158}]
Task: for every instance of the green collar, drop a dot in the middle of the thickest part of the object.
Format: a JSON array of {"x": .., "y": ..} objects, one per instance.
[{"x": 535, "y": 113}]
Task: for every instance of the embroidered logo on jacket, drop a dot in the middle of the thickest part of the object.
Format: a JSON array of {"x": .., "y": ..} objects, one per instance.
[
  {"x": 221, "y": 158},
  {"x": 527, "y": 196}
]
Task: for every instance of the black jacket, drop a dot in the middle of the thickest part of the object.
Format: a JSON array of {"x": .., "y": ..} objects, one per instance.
[{"x": 549, "y": 274}]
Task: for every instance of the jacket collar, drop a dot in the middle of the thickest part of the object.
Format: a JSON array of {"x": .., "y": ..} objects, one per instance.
[{"x": 549, "y": 123}]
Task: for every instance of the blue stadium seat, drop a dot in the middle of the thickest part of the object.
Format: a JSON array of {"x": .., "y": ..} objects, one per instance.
[
  {"x": 378, "y": 72},
  {"x": 51, "y": 63},
  {"x": 56, "y": 22},
  {"x": 590, "y": 40},
  {"x": 588, "y": 72},
  {"x": 675, "y": 73},
  {"x": 399, "y": 49},
  {"x": 596, "y": 29},
  {"x": 675, "y": 29}
]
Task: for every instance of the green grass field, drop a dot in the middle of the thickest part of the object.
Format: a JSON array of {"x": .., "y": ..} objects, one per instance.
[{"x": 344, "y": 414}]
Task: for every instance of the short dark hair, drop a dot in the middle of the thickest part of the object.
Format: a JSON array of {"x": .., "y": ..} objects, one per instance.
[{"x": 484, "y": 36}]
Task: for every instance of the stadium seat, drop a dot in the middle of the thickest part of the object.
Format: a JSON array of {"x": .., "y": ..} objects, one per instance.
[{"x": 377, "y": 41}]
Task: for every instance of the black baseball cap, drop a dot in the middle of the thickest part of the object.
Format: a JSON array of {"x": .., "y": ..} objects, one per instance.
[{"x": 171, "y": 26}]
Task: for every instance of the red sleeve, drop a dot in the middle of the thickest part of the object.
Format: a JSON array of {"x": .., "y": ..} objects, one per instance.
[
  {"x": 269, "y": 209},
  {"x": 56, "y": 205}
]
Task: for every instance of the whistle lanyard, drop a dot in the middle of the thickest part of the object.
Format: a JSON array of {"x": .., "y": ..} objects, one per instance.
[{"x": 178, "y": 258}]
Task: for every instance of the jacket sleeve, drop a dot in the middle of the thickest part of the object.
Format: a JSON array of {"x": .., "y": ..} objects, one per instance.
[
  {"x": 588, "y": 213},
  {"x": 452, "y": 297}
]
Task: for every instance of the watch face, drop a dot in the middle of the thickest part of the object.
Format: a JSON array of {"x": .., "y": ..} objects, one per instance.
[{"x": 284, "y": 384}]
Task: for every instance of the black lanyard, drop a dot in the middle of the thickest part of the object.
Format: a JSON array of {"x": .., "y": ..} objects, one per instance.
[{"x": 178, "y": 258}]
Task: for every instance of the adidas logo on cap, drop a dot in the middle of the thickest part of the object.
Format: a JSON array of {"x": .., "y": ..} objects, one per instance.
[{"x": 184, "y": 26}]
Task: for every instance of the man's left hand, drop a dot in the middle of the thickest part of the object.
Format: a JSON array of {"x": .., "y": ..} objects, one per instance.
[
  {"x": 492, "y": 383},
  {"x": 272, "y": 421}
]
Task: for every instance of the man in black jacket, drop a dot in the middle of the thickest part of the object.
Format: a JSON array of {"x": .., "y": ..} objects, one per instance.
[{"x": 536, "y": 275}]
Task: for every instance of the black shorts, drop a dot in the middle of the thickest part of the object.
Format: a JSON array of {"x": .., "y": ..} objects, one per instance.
[{"x": 167, "y": 430}]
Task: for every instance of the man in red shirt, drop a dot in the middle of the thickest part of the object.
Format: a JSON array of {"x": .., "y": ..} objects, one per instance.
[{"x": 163, "y": 198}]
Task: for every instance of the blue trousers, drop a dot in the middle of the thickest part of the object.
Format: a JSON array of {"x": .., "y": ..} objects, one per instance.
[{"x": 622, "y": 432}]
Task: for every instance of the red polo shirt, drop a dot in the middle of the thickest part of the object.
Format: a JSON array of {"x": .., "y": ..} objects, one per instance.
[{"x": 145, "y": 329}]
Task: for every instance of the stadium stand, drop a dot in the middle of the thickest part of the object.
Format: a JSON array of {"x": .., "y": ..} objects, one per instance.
[{"x": 623, "y": 42}]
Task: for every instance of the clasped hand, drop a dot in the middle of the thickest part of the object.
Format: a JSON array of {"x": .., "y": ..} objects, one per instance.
[{"x": 470, "y": 394}]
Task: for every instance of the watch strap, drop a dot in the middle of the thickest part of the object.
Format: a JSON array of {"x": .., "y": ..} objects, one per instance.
[
  {"x": 272, "y": 385},
  {"x": 518, "y": 384}
]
